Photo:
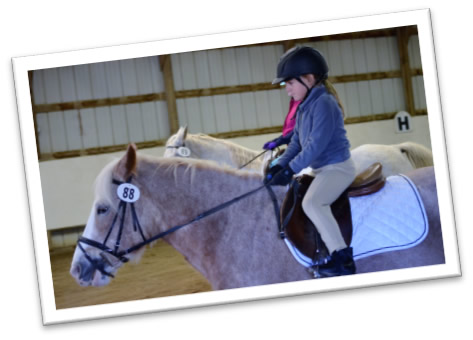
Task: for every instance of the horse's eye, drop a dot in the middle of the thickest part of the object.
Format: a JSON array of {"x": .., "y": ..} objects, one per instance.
[{"x": 102, "y": 210}]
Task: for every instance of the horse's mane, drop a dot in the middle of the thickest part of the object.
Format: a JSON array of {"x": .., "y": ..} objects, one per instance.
[
  {"x": 181, "y": 169},
  {"x": 236, "y": 148}
]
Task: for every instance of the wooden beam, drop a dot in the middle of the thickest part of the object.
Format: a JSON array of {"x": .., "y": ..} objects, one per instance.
[
  {"x": 165, "y": 61},
  {"x": 54, "y": 107},
  {"x": 215, "y": 91},
  {"x": 386, "y": 32},
  {"x": 288, "y": 44},
  {"x": 94, "y": 103},
  {"x": 230, "y": 134},
  {"x": 406, "y": 73},
  {"x": 348, "y": 78},
  {"x": 101, "y": 150}
]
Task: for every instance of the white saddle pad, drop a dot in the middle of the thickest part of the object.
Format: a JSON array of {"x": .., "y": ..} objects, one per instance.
[{"x": 391, "y": 219}]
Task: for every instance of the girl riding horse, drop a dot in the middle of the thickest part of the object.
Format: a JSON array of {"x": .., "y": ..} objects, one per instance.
[{"x": 319, "y": 141}]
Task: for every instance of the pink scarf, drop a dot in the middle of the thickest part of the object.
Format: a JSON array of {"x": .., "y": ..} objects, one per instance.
[{"x": 290, "y": 120}]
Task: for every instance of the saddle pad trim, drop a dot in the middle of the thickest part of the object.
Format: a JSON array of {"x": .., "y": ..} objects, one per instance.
[{"x": 301, "y": 258}]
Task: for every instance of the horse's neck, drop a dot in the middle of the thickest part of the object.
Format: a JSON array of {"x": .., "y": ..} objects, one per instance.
[
  {"x": 224, "y": 245},
  {"x": 223, "y": 152},
  {"x": 204, "y": 148}
]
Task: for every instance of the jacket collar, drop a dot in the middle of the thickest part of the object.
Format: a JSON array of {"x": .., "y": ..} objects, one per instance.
[{"x": 314, "y": 94}]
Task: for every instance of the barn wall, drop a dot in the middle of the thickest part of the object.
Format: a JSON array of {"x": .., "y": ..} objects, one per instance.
[
  {"x": 68, "y": 183},
  {"x": 114, "y": 103},
  {"x": 147, "y": 121}
]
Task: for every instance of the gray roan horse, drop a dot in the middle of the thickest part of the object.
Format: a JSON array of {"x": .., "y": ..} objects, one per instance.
[{"x": 236, "y": 246}]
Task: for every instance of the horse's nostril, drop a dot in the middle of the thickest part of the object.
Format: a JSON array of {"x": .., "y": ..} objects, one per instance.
[{"x": 76, "y": 270}]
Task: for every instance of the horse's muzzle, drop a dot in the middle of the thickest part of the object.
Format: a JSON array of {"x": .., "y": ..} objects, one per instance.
[{"x": 87, "y": 273}]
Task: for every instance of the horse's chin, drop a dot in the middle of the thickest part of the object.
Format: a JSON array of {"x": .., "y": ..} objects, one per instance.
[
  {"x": 85, "y": 275},
  {"x": 100, "y": 280}
]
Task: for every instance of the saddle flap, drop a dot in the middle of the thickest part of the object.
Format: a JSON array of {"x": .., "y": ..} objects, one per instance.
[{"x": 300, "y": 229}]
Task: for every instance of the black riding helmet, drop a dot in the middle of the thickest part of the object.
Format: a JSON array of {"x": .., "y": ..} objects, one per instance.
[{"x": 301, "y": 60}]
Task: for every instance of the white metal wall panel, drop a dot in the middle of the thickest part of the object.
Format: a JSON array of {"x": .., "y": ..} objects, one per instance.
[
  {"x": 83, "y": 87},
  {"x": 228, "y": 67},
  {"x": 52, "y": 86},
  {"x": 202, "y": 69},
  {"x": 417, "y": 81},
  {"x": 74, "y": 129},
  {"x": 98, "y": 80},
  {"x": 44, "y": 132},
  {"x": 112, "y": 76},
  {"x": 150, "y": 121},
  {"x": 236, "y": 111},
  {"x": 89, "y": 128},
  {"x": 162, "y": 119},
  {"x": 230, "y": 71},
  {"x": 67, "y": 84},
  {"x": 414, "y": 52},
  {"x": 56, "y": 125},
  {"x": 243, "y": 65},
  {"x": 207, "y": 109},
  {"x": 103, "y": 126},
  {"x": 362, "y": 56},
  {"x": 39, "y": 89},
  {"x": 222, "y": 113},
  {"x": 419, "y": 92},
  {"x": 372, "y": 65},
  {"x": 128, "y": 77},
  {"x": 119, "y": 126},
  {"x": 134, "y": 122},
  {"x": 216, "y": 68}
]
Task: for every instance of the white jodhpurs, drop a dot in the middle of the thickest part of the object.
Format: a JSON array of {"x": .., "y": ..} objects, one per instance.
[{"x": 329, "y": 183}]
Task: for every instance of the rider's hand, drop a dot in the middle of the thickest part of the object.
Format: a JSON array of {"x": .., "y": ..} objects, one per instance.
[
  {"x": 270, "y": 145},
  {"x": 278, "y": 175}
]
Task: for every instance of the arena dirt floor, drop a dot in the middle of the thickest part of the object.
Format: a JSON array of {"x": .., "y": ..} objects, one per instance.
[{"x": 161, "y": 272}]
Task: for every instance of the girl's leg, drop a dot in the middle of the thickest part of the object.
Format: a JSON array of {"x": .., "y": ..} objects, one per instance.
[{"x": 328, "y": 184}]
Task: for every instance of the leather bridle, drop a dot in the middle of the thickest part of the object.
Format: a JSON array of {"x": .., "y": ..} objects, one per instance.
[{"x": 121, "y": 255}]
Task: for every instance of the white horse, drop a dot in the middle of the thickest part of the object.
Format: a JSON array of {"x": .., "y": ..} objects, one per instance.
[{"x": 396, "y": 159}]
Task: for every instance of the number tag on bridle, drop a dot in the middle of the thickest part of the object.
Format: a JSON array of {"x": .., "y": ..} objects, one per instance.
[
  {"x": 183, "y": 151},
  {"x": 128, "y": 192}
]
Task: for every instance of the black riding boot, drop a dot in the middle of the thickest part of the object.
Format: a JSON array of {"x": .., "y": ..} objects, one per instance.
[{"x": 341, "y": 263}]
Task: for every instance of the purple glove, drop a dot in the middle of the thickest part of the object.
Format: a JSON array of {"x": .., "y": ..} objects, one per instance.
[{"x": 269, "y": 145}]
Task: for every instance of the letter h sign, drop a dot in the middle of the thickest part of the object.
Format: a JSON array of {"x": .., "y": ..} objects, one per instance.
[{"x": 403, "y": 122}]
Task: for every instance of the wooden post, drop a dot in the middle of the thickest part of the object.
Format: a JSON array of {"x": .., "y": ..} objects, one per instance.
[
  {"x": 406, "y": 75},
  {"x": 30, "y": 78},
  {"x": 288, "y": 44},
  {"x": 166, "y": 68}
]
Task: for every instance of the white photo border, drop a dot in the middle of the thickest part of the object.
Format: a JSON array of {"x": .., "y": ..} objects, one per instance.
[{"x": 22, "y": 65}]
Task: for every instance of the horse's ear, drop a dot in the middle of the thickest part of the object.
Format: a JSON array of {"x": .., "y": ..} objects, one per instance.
[
  {"x": 127, "y": 165},
  {"x": 182, "y": 134}
]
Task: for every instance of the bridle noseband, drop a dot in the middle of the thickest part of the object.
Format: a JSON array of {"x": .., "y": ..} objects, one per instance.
[{"x": 120, "y": 255}]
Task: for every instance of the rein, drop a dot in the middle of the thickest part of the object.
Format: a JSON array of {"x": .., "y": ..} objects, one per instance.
[
  {"x": 121, "y": 255},
  {"x": 251, "y": 160}
]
